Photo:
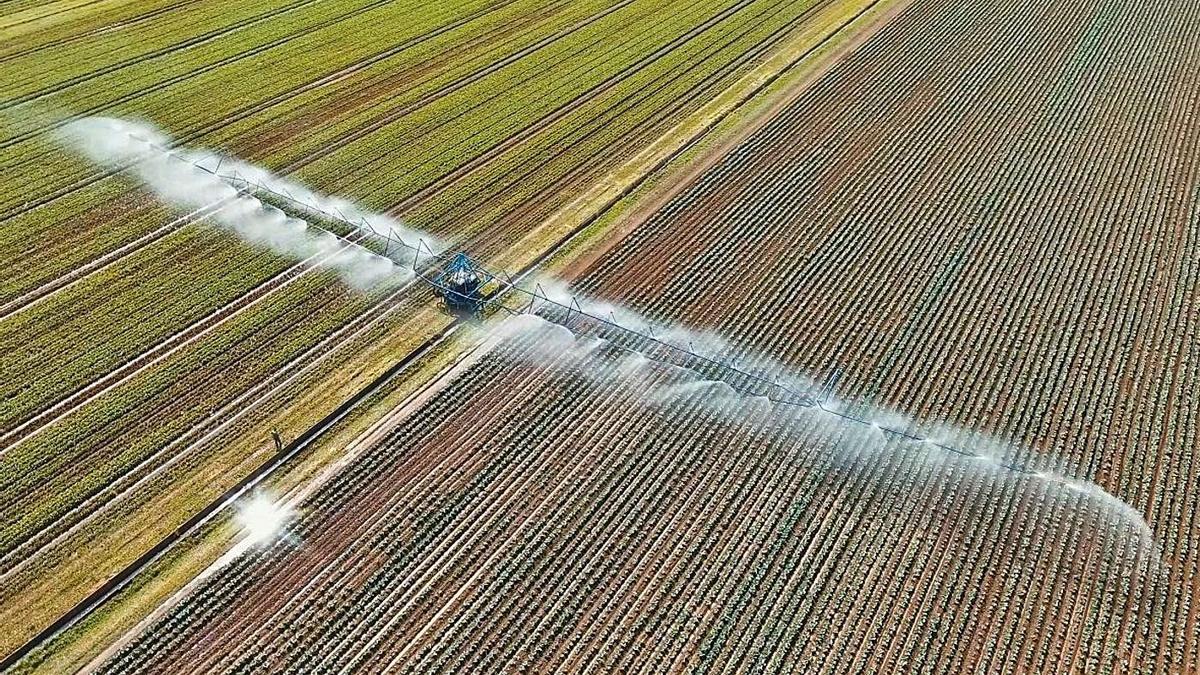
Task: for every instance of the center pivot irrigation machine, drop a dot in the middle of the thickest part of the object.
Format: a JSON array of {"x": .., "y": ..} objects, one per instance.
[
  {"x": 470, "y": 291},
  {"x": 461, "y": 286}
]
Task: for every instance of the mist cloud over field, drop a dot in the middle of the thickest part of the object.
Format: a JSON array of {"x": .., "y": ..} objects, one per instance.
[
  {"x": 141, "y": 151},
  {"x": 174, "y": 177},
  {"x": 868, "y": 436}
]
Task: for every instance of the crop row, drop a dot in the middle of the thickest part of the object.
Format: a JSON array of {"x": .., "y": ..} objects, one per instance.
[
  {"x": 178, "y": 92},
  {"x": 122, "y": 312},
  {"x": 183, "y": 432}
]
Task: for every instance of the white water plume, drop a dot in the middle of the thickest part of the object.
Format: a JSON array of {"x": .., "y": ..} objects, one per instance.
[
  {"x": 175, "y": 178},
  {"x": 330, "y": 206},
  {"x": 700, "y": 341},
  {"x": 706, "y": 344},
  {"x": 556, "y": 346},
  {"x": 262, "y": 518}
]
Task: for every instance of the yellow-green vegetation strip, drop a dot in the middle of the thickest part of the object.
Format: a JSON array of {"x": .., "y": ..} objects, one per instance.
[
  {"x": 50, "y": 69},
  {"x": 98, "y": 20},
  {"x": 123, "y": 312}
]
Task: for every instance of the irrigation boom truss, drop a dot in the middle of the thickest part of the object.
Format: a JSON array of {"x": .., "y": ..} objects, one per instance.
[{"x": 466, "y": 287}]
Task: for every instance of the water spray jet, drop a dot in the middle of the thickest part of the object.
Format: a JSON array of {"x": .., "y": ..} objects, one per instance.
[{"x": 482, "y": 292}]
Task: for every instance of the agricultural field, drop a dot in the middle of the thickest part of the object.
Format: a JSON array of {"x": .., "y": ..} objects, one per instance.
[
  {"x": 984, "y": 214},
  {"x": 146, "y": 353}
]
